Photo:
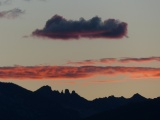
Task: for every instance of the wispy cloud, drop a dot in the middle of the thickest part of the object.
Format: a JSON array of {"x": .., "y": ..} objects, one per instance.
[
  {"x": 4, "y": 2},
  {"x": 115, "y": 60},
  {"x": 70, "y": 72},
  {"x": 32, "y": 0},
  {"x": 59, "y": 28},
  {"x": 147, "y": 59},
  {"x": 13, "y": 13}
]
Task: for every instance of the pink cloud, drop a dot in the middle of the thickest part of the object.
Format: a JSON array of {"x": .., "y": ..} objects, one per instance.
[{"x": 70, "y": 72}]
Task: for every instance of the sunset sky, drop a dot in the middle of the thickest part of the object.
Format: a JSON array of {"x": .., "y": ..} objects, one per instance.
[{"x": 96, "y": 47}]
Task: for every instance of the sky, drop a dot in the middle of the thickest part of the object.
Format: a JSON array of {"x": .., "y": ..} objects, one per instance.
[{"x": 96, "y": 47}]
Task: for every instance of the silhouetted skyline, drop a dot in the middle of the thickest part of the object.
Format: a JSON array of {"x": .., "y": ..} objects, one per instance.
[{"x": 19, "y": 103}]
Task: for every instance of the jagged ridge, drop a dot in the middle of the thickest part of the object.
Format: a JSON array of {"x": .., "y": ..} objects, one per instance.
[{"x": 47, "y": 104}]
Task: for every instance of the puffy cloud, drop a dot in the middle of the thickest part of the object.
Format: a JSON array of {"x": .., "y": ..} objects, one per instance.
[{"x": 59, "y": 28}]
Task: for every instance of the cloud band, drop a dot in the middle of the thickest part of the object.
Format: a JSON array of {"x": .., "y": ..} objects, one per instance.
[{"x": 70, "y": 72}]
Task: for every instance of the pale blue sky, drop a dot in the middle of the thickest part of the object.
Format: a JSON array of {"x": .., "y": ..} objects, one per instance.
[{"x": 143, "y": 20}]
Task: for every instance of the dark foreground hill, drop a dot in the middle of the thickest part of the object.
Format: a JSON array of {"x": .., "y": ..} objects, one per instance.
[{"x": 17, "y": 103}]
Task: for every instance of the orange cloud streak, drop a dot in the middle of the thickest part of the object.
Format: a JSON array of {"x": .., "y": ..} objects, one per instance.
[{"x": 70, "y": 72}]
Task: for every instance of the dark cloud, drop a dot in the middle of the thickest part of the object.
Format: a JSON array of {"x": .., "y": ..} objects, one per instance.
[
  {"x": 11, "y": 13},
  {"x": 70, "y": 72},
  {"x": 59, "y": 28},
  {"x": 115, "y": 60}
]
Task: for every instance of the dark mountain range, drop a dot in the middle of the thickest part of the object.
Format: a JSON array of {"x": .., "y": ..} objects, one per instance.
[
  {"x": 17, "y": 103},
  {"x": 144, "y": 110}
]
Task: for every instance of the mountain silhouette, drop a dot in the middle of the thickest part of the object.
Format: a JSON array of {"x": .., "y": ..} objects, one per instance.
[
  {"x": 13, "y": 90},
  {"x": 137, "y": 98},
  {"x": 44, "y": 90},
  {"x": 144, "y": 110},
  {"x": 18, "y": 103}
]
